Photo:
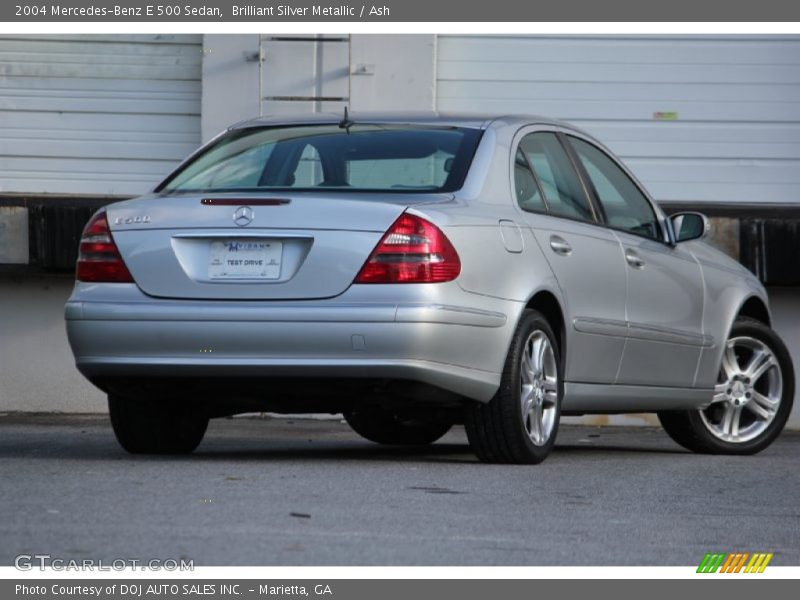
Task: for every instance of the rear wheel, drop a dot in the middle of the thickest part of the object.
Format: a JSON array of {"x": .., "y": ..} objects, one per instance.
[
  {"x": 519, "y": 425},
  {"x": 145, "y": 426},
  {"x": 752, "y": 399},
  {"x": 386, "y": 427}
]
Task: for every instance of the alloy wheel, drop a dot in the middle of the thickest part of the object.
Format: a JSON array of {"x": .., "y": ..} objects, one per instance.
[
  {"x": 748, "y": 391},
  {"x": 538, "y": 387}
]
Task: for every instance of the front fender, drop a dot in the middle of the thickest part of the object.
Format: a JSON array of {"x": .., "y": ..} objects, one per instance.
[{"x": 726, "y": 292}]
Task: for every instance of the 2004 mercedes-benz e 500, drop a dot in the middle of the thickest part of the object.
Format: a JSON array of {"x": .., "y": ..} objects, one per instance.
[{"x": 413, "y": 272}]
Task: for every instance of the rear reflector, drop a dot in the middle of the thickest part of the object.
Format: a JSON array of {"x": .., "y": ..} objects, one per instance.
[
  {"x": 413, "y": 250},
  {"x": 98, "y": 257}
]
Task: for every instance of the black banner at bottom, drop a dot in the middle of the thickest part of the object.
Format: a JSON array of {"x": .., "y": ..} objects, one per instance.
[{"x": 392, "y": 589}]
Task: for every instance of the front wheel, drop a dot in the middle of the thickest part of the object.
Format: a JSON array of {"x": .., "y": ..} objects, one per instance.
[
  {"x": 156, "y": 426},
  {"x": 752, "y": 399},
  {"x": 519, "y": 425}
]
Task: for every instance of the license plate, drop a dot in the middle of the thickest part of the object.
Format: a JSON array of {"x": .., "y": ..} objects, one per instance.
[{"x": 245, "y": 259}]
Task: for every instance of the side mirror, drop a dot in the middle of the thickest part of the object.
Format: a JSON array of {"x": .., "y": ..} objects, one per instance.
[{"x": 688, "y": 226}]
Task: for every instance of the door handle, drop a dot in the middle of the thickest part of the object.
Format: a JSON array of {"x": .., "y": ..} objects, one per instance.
[
  {"x": 560, "y": 245},
  {"x": 634, "y": 259}
]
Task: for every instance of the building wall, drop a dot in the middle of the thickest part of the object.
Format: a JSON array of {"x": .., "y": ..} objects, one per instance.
[
  {"x": 697, "y": 118},
  {"x": 231, "y": 81},
  {"x": 393, "y": 72},
  {"x": 89, "y": 114},
  {"x": 248, "y": 75}
]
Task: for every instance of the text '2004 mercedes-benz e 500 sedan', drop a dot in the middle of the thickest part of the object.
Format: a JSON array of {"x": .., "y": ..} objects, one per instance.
[{"x": 413, "y": 272}]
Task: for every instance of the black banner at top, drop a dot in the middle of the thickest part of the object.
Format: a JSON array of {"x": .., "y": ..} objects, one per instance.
[{"x": 286, "y": 11}]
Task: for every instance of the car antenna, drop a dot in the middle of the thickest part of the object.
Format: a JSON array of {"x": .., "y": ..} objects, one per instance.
[{"x": 346, "y": 123}]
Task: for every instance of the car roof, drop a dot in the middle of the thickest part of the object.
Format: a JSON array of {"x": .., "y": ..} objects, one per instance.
[{"x": 468, "y": 120}]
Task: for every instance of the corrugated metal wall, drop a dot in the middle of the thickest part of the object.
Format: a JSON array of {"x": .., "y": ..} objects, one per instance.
[
  {"x": 696, "y": 118},
  {"x": 93, "y": 114},
  {"x": 304, "y": 73}
]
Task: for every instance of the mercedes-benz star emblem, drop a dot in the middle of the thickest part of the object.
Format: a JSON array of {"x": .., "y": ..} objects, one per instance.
[{"x": 243, "y": 216}]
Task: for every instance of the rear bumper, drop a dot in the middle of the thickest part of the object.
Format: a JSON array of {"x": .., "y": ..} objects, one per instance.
[{"x": 455, "y": 348}]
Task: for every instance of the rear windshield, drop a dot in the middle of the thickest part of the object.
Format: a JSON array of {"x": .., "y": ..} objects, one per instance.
[{"x": 360, "y": 158}]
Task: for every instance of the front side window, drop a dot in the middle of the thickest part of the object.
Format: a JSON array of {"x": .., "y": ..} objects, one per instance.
[
  {"x": 380, "y": 158},
  {"x": 561, "y": 187},
  {"x": 623, "y": 203}
]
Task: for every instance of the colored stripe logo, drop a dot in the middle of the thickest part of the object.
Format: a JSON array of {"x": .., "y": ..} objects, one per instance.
[{"x": 736, "y": 562}]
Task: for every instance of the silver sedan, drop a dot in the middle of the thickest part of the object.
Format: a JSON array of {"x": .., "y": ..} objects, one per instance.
[{"x": 413, "y": 272}]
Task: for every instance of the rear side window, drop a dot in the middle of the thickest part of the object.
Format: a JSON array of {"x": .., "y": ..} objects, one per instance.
[
  {"x": 528, "y": 195},
  {"x": 382, "y": 158},
  {"x": 623, "y": 203},
  {"x": 559, "y": 181}
]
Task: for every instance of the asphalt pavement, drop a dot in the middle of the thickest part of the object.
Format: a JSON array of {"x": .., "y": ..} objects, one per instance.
[{"x": 308, "y": 492}]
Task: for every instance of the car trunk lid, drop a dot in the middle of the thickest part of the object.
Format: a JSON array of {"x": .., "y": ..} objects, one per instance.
[{"x": 253, "y": 247}]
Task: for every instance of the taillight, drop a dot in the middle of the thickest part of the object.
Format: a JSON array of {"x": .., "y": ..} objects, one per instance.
[
  {"x": 98, "y": 257},
  {"x": 412, "y": 251}
]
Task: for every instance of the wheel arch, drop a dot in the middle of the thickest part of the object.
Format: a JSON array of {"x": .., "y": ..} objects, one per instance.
[
  {"x": 751, "y": 304},
  {"x": 755, "y": 308},
  {"x": 548, "y": 304}
]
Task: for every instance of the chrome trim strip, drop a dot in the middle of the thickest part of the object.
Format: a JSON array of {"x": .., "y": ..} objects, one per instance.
[
  {"x": 664, "y": 334},
  {"x": 638, "y": 331},
  {"x": 601, "y": 326}
]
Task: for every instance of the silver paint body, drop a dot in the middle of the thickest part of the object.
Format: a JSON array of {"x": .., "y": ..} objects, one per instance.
[{"x": 637, "y": 339}]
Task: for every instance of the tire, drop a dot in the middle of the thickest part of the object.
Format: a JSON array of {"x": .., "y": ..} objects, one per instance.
[
  {"x": 156, "y": 426},
  {"x": 758, "y": 406},
  {"x": 385, "y": 427},
  {"x": 498, "y": 431}
]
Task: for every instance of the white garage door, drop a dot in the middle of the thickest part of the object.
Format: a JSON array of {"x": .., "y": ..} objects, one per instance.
[
  {"x": 696, "y": 118},
  {"x": 95, "y": 114}
]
